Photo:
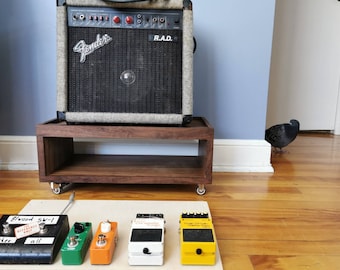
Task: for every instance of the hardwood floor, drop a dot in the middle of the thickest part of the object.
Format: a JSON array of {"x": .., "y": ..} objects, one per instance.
[{"x": 289, "y": 219}]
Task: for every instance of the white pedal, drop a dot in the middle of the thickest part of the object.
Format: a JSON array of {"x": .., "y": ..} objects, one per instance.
[{"x": 146, "y": 242}]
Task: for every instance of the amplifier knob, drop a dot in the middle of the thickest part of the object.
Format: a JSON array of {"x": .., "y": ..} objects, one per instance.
[
  {"x": 129, "y": 20},
  {"x": 116, "y": 19}
]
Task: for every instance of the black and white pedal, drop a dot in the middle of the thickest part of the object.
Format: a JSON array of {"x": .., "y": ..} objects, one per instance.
[{"x": 31, "y": 239}]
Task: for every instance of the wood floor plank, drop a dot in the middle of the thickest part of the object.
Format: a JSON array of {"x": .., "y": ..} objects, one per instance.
[{"x": 318, "y": 262}]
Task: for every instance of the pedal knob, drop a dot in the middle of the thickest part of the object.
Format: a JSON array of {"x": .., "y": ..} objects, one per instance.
[
  {"x": 146, "y": 251},
  {"x": 105, "y": 227},
  {"x": 78, "y": 228}
]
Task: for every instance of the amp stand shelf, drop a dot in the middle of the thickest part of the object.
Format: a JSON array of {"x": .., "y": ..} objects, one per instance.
[{"x": 60, "y": 165}]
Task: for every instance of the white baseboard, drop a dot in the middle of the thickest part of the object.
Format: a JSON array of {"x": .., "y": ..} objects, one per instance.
[
  {"x": 20, "y": 152},
  {"x": 242, "y": 156}
]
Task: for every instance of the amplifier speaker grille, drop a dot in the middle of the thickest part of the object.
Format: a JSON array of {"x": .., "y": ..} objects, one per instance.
[{"x": 98, "y": 85}]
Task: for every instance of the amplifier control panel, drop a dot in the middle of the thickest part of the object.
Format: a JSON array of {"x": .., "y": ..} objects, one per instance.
[{"x": 103, "y": 17}]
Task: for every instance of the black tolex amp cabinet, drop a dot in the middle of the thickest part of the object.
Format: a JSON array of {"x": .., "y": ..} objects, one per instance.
[{"x": 125, "y": 63}]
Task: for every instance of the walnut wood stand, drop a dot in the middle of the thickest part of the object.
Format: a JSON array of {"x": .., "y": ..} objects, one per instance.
[{"x": 60, "y": 165}]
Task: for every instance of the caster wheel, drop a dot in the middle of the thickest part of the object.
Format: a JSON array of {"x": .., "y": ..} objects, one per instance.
[
  {"x": 200, "y": 190},
  {"x": 56, "y": 191},
  {"x": 56, "y": 188}
]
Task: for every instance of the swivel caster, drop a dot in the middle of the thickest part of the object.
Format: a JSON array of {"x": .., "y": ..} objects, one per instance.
[
  {"x": 200, "y": 189},
  {"x": 58, "y": 188}
]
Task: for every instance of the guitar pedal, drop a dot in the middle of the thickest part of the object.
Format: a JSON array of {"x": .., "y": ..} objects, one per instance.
[
  {"x": 146, "y": 244},
  {"x": 76, "y": 243},
  {"x": 104, "y": 243},
  {"x": 31, "y": 239},
  {"x": 197, "y": 239}
]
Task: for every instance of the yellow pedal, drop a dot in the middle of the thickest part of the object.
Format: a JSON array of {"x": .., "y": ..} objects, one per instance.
[{"x": 197, "y": 239}]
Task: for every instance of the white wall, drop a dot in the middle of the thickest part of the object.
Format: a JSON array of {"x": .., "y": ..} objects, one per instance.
[{"x": 305, "y": 69}]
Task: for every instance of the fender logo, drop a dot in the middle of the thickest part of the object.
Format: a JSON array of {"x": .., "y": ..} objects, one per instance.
[{"x": 85, "y": 49}]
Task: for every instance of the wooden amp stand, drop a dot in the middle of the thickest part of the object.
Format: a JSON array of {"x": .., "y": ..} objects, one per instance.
[{"x": 60, "y": 165}]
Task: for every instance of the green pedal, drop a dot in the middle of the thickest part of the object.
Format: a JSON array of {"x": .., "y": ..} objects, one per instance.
[{"x": 77, "y": 243}]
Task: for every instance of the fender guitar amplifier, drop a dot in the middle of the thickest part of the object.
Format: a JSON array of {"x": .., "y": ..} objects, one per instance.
[{"x": 125, "y": 62}]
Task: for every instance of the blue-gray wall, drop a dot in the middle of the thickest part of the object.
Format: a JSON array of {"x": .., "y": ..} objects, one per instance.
[{"x": 231, "y": 69}]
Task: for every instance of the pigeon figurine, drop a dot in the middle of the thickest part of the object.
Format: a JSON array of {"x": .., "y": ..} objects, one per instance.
[{"x": 281, "y": 135}]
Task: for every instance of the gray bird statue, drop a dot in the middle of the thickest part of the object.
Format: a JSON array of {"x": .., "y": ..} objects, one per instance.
[{"x": 281, "y": 135}]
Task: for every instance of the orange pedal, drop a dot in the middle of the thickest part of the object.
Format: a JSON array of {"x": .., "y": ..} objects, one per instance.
[{"x": 103, "y": 243}]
